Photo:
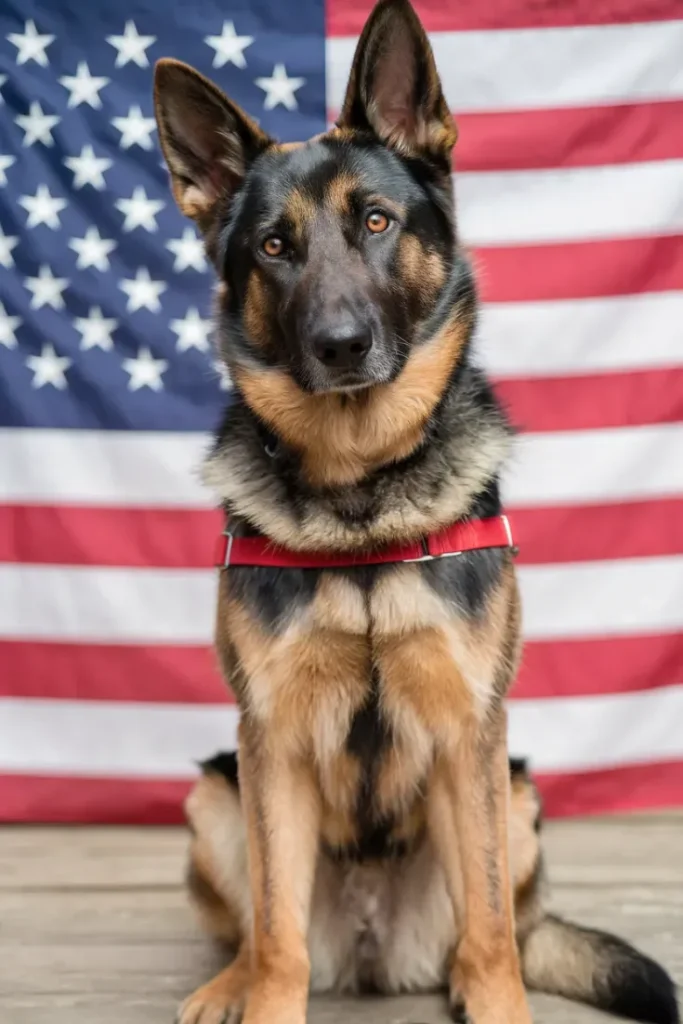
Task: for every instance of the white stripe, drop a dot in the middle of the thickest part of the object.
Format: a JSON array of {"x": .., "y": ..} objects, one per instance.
[
  {"x": 100, "y": 605},
  {"x": 122, "y": 468},
  {"x": 514, "y": 69},
  {"x": 100, "y": 738},
  {"x": 158, "y": 469},
  {"x": 112, "y": 605},
  {"x": 530, "y": 339},
  {"x": 608, "y": 598},
  {"x": 564, "y": 734},
  {"x": 572, "y": 204},
  {"x": 611, "y": 464}
]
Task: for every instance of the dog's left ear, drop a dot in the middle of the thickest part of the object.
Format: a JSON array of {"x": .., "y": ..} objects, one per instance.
[{"x": 394, "y": 88}]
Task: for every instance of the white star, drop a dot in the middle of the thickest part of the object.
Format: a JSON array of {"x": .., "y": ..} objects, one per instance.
[
  {"x": 7, "y": 243},
  {"x": 93, "y": 250},
  {"x": 229, "y": 46},
  {"x": 31, "y": 46},
  {"x": 224, "y": 378},
  {"x": 8, "y": 325},
  {"x": 145, "y": 371},
  {"x": 188, "y": 251},
  {"x": 280, "y": 89},
  {"x": 84, "y": 87},
  {"x": 192, "y": 331},
  {"x": 3, "y": 79},
  {"x": 143, "y": 292},
  {"x": 37, "y": 125},
  {"x": 96, "y": 330},
  {"x": 139, "y": 210},
  {"x": 48, "y": 368},
  {"x": 135, "y": 129},
  {"x": 131, "y": 46},
  {"x": 88, "y": 169},
  {"x": 5, "y": 162},
  {"x": 46, "y": 289},
  {"x": 42, "y": 208}
]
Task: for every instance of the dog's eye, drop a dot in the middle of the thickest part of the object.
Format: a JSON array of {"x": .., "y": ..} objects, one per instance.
[
  {"x": 273, "y": 246},
  {"x": 377, "y": 222}
]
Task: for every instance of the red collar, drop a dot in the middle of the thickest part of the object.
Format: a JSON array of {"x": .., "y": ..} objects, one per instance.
[{"x": 453, "y": 540}]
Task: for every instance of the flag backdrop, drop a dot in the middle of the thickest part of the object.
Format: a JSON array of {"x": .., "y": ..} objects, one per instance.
[{"x": 570, "y": 195}]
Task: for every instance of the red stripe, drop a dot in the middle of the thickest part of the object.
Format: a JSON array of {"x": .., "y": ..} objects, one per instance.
[
  {"x": 593, "y": 401},
  {"x": 188, "y": 675},
  {"x": 586, "y": 668},
  {"x": 613, "y": 790},
  {"x": 44, "y": 535},
  {"x": 40, "y": 799},
  {"x": 518, "y": 140},
  {"x": 71, "y": 671},
  {"x": 573, "y": 137},
  {"x": 69, "y": 535},
  {"x": 575, "y": 270},
  {"x": 347, "y": 19},
  {"x": 634, "y": 529}
]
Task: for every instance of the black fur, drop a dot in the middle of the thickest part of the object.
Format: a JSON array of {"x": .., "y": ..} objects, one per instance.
[
  {"x": 225, "y": 764},
  {"x": 273, "y": 595},
  {"x": 636, "y": 987}
]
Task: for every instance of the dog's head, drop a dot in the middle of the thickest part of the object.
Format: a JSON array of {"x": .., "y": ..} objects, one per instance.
[{"x": 332, "y": 253}]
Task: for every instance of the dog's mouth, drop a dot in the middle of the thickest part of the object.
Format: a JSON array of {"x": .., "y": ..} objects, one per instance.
[{"x": 346, "y": 383}]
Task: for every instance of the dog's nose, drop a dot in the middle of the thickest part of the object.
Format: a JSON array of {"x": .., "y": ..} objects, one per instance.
[{"x": 342, "y": 349}]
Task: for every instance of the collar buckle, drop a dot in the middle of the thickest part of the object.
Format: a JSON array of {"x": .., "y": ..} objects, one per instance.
[{"x": 229, "y": 539}]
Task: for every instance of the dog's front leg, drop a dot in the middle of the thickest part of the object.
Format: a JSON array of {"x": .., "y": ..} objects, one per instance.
[
  {"x": 282, "y": 813},
  {"x": 469, "y": 826}
]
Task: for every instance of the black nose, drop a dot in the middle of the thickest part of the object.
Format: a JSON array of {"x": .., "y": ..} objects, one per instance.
[{"x": 342, "y": 349}]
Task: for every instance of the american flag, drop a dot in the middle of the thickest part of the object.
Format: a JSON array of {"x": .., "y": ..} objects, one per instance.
[{"x": 570, "y": 196}]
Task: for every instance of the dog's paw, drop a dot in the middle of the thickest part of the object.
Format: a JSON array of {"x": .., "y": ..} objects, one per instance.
[{"x": 207, "y": 1006}]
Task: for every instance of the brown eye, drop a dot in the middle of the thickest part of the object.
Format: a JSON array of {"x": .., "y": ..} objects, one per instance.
[
  {"x": 377, "y": 222},
  {"x": 273, "y": 246}
]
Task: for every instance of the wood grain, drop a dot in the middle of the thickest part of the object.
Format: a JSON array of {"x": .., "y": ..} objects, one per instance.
[{"x": 95, "y": 929}]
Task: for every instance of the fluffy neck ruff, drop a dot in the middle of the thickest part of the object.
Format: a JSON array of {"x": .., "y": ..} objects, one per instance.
[{"x": 404, "y": 460}]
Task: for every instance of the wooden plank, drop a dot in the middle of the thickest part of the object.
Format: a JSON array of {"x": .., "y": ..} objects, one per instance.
[
  {"x": 40, "y": 857},
  {"x": 641, "y": 848},
  {"x": 403, "y": 1010},
  {"x": 95, "y": 928}
]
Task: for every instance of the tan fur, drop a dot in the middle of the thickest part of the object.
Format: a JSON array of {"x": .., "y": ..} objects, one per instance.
[
  {"x": 338, "y": 193},
  {"x": 300, "y": 210},
  {"x": 256, "y": 307},
  {"x": 422, "y": 272},
  {"x": 342, "y": 438}
]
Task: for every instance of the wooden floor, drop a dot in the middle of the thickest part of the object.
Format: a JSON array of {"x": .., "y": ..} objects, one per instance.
[{"x": 94, "y": 928}]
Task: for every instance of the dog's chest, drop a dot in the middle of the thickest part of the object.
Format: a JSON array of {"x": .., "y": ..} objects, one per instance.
[{"x": 364, "y": 672}]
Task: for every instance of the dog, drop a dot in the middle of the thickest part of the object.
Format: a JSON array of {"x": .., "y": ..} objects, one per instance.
[{"x": 373, "y": 834}]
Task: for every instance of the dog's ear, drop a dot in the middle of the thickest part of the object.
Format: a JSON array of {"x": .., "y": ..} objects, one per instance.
[
  {"x": 207, "y": 141},
  {"x": 394, "y": 88}
]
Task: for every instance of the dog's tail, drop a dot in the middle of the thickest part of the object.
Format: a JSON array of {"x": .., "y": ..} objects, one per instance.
[{"x": 599, "y": 969}]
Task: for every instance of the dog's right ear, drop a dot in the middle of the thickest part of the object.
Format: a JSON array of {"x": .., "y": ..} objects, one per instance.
[{"x": 207, "y": 141}]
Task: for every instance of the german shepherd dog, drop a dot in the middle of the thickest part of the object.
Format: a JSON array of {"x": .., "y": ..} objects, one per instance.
[{"x": 378, "y": 838}]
